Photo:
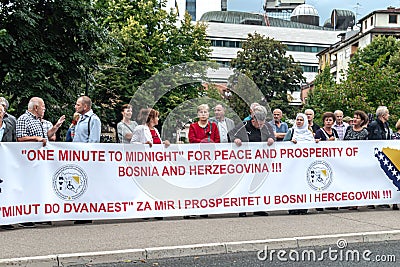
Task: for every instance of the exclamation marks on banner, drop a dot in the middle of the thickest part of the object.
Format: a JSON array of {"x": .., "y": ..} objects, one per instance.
[
  {"x": 387, "y": 193},
  {"x": 276, "y": 167}
]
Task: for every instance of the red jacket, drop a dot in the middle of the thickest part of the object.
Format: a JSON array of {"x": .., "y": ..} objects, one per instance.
[{"x": 209, "y": 134}]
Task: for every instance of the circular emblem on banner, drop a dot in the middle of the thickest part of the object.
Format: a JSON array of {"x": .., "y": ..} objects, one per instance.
[
  {"x": 70, "y": 182},
  {"x": 319, "y": 175}
]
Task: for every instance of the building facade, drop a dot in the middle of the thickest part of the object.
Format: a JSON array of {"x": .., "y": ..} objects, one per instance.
[
  {"x": 281, "y": 9},
  {"x": 196, "y": 8},
  {"x": 228, "y": 30},
  {"x": 379, "y": 22}
]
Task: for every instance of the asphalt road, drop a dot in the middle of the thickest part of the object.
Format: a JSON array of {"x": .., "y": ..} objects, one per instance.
[
  {"x": 65, "y": 244},
  {"x": 385, "y": 254}
]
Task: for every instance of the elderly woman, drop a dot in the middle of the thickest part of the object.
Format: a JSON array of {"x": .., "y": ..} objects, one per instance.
[
  {"x": 147, "y": 133},
  {"x": 357, "y": 130},
  {"x": 396, "y": 135},
  {"x": 300, "y": 132},
  {"x": 126, "y": 126},
  {"x": 327, "y": 133},
  {"x": 203, "y": 131}
]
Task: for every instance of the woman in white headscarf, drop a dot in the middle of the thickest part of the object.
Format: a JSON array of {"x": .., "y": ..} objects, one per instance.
[{"x": 300, "y": 131}]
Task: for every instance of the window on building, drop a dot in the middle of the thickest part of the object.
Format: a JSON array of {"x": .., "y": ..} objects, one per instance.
[
  {"x": 393, "y": 19},
  {"x": 224, "y": 64},
  {"x": 372, "y": 21},
  {"x": 222, "y": 43},
  {"x": 191, "y": 8},
  {"x": 365, "y": 24},
  {"x": 310, "y": 68},
  {"x": 304, "y": 48}
]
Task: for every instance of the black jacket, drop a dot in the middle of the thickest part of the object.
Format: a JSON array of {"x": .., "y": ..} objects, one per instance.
[
  {"x": 248, "y": 133},
  {"x": 377, "y": 130},
  {"x": 10, "y": 131}
]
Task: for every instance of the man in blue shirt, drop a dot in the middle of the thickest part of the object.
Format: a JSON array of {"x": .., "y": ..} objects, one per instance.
[
  {"x": 280, "y": 127},
  {"x": 252, "y": 107},
  {"x": 88, "y": 127}
]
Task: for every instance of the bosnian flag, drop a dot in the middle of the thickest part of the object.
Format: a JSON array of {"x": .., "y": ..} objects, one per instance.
[{"x": 389, "y": 159}]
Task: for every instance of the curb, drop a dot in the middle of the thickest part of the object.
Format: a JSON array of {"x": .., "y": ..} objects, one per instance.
[{"x": 130, "y": 255}]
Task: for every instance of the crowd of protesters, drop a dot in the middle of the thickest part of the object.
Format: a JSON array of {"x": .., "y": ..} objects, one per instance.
[{"x": 86, "y": 128}]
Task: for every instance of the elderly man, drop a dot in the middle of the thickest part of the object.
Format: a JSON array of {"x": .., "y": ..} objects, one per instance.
[
  {"x": 280, "y": 127},
  {"x": 379, "y": 130},
  {"x": 29, "y": 124},
  {"x": 10, "y": 123},
  {"x": 30, "y": 128},
  {"x": 7, "y": 134},
  {"x": 5, "y": 104},
  {"x": 224, "y": 124},
  {"x": 310, "y": 117},
  {"x": 88, "y": 127},
  {"x": 255, "y": 130},
  {"x": 252, "y": 107},
  {"x": 340, "y": 126}
]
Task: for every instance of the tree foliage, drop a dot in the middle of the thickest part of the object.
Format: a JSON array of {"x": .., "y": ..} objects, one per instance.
[
  {"x": 373, "y": 79},
  {"x": 46, "y": 50},
  {"x": 265, "y": 61},
  {"x": 382, "y": 47},
  {"x": 59, "y": 50},
  {"x": 149, "y": 39}
]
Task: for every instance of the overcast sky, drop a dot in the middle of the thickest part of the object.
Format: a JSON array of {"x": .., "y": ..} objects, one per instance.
[{"x": 324, "y": 7}]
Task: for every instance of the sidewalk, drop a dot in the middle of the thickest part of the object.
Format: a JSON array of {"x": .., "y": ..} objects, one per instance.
[{"x": 65, "y": 244}]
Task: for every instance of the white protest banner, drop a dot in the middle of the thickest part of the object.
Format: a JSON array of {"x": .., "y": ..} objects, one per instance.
[{"x": 74, "y": 181}]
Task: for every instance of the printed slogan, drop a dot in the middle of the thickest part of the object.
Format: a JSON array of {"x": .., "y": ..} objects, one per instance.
[{"x": 66, "y": 181}]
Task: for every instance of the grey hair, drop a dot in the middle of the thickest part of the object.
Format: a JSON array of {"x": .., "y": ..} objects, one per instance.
[
  {"x": 203, "y": 106},
  {"x": 254, "y": 105},
  {"x": 381, "y": 110},
  {"x": 34, "y": 101},
  {"x": 260, "y": 113},
  {"x": 309, "y": 110},
  {"x": 4, "y": 102}
]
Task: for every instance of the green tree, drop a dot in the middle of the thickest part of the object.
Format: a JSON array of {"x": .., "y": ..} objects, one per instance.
[
  {"x": 326, "y": 95},
  {"x": 148, "y": 39},
  {"x": 47, "y": 49},
  {"x": 381, "y": 46},
  {"x": 265, "y": 61},
  {"x": 372, "y": 80}
]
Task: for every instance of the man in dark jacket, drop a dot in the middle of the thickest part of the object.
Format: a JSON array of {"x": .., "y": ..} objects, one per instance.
[
  {"x": 7, "y": 128},
  {"x": 255, "y": 130},
  {"x": 7, "y": 134},
  {"x": 379, "y": 130}
]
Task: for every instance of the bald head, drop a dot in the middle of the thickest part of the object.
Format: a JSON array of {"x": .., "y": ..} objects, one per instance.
[{"x": 37, "y": 107}]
